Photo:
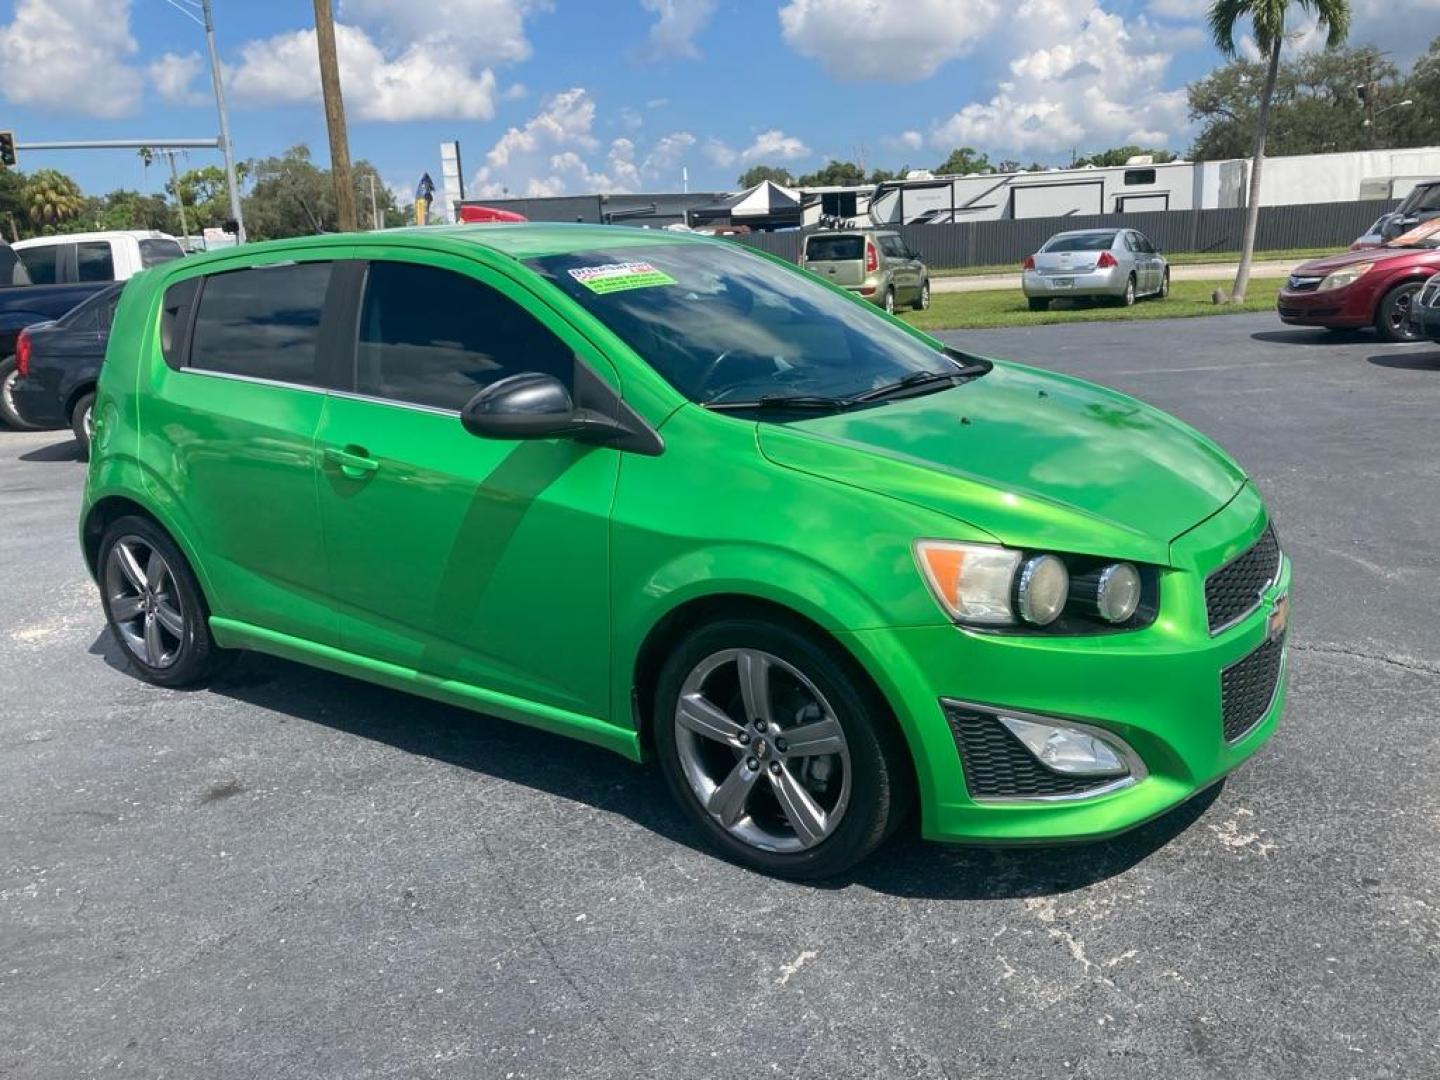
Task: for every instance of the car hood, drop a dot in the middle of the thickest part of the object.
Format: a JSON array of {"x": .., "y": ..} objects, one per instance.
[
  {"x": 1331, "y": 263},
  {"x": 1035, "y": 460}
]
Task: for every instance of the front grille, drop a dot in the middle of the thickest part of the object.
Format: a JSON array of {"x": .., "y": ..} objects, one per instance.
[
  {"x": 1303, "y": 284},
  {"x": 1248, "y": 686},
  {"x": 1307, "y": 313},
  {"x": 997, "y": 765},
  {"x": 1234, "y": 590}
]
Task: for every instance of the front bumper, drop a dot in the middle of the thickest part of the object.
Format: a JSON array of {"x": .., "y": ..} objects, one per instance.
[
  {"x": 1344, "y": 308},
  {"x": 1158, "y": 689},
  {"x": 1108, "y": 282},
  {"x": 1427, "y": 320}
]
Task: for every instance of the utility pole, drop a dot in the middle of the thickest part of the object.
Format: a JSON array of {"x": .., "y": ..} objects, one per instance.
[
  {"x": 231, "y": 181},
  {"x": 335, "y": 117},
  {"x": 179, "y": 199},
  {"x": 374, "y": 207}
]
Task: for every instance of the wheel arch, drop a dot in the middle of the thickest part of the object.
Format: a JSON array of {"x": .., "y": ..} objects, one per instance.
[{"x": 112, "y": 506}]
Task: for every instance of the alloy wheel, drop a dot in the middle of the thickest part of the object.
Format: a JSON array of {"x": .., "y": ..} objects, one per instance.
[
  {"x": 762, "y": 750},
  {"x": 144, "y": 602},
  {"x": 1398, "y": 314}
]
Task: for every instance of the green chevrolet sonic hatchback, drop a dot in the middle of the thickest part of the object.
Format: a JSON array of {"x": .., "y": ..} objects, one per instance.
[{"x": 687, "y": 502}]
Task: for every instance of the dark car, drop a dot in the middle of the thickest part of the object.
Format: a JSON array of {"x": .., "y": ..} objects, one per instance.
[
  {"x": 23, "y": 304},
  {"x": 1426, "y": 310},
  {"x": 59, "y": 364},
  {"x": 1358, "y": 289}
]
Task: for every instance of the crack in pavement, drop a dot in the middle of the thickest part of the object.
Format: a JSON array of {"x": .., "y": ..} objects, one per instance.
[{"x": 1421, "y": 667}]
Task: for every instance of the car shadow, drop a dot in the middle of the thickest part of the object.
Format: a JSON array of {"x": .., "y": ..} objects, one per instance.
[
  {"x": 1428, "y": 360},
  {"x": 1312, "y": 336},
  {"x": 68, "y": 450},
  {"x": 906, "y": 866}
]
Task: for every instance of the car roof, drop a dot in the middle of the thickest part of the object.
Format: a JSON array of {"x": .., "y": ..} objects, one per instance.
[{"x": 108, "y": 234}]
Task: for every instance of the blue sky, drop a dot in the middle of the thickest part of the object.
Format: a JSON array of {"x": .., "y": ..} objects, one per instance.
[{"x": 567, "y": 96}]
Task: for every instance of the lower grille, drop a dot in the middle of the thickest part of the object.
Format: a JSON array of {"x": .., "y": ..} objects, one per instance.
[
  {"x": 997, "y": 765},
  {"x": 1301, "y": 313},
  {"x": 1247, "y": 688}
]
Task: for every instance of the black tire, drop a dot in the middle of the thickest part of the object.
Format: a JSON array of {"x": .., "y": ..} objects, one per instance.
[
  {"x": 1039, "y": 303},
  {"x": 1392, "y": 317},
  {"x": 923, "y": 301},
  {"x": 80, "y": 421},
  {"x": 889, "y": 302},
  {"x": 1164, "y": 285},
  {"x": 880, "y": 780},
  {"x": 1127, "y": 298},
  {"x": 197, "y": 657},
  {"x": 8, "y": 414}
]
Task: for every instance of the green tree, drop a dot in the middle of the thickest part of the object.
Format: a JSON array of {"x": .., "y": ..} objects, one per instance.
[
  {"x": 964, "y": 160},
  {"x": 206, "y": 195},
  {"x": 1267, "y": 21},
  {"x": 52, "y": 199},
  {"x": 124, "y": 209},
  {"x": 292, "y": 196},
  {"x": 1119, "y": 155},
  {"x": 758, "y": 174},
  {"x": 13, "y": 216},
  {"x": 834, "y": 174},
  {"x": 1416, "y": 124}
]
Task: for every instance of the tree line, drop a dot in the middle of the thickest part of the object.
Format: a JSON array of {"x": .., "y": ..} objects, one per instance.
[
  {"x": 1321, "y": 104},
  {"x": 287, "y": 195}
]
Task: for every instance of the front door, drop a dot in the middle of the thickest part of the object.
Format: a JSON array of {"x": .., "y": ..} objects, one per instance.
[{"x": 484, "y": 561}]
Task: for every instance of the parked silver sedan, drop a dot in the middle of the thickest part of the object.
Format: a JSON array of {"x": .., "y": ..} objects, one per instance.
[{"x": 1121, "y": 264}]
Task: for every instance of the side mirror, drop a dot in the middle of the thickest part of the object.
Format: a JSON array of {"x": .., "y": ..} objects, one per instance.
[{"x": 533, "y": 405}]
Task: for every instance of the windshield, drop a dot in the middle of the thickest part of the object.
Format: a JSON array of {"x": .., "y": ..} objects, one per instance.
[
  {"x": 1080, "y": 242},
  {"x": 723, "y": 325}
]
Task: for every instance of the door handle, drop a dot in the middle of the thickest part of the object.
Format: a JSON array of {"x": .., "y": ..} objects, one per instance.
[{"x": 354, "y": 461}]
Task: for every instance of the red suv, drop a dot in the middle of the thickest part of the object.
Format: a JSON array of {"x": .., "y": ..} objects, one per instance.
[{"x": 1374, "y": 287}]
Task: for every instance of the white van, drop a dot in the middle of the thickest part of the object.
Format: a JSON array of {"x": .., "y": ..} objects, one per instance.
[{"x": 95, "y": 256}]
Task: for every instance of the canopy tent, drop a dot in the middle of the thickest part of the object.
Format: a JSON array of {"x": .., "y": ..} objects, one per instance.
[{"x": 767, "y": 205}]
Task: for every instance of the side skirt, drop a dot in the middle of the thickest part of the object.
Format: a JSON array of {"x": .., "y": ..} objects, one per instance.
[{"x": 231, "y": 634}]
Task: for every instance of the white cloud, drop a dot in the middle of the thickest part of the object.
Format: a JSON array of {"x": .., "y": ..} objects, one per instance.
[
  {"x": 1180, "y": 9},
  {"x": 677, "y": 22},
  {"x": 769, "y": 146},
  {"x": 173, "y": 75},
  {"x": 515, "y": 91},
  {"x": 667, "y": 155},
  {"x": 71, "y": 56},
  {"x": 423, "y": 82},
  {"x": 1079, "y": 77},
  {"x": 882, "y": 41},
  {"x": 482, "y": 31},
  {"x": 543, "y": 156},
  {"x": 906, "y": 140}
]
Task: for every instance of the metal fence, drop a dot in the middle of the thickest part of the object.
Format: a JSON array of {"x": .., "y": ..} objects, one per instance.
[{"x": 995, "y": 243}]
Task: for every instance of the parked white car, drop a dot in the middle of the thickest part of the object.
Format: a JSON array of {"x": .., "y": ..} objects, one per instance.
[{"x": 95, "y": 256}]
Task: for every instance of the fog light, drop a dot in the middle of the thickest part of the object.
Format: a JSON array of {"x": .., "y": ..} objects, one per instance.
[{"x": 1070, "y": 750}]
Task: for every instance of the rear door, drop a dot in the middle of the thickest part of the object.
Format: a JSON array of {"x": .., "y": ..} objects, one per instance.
[
  {"x": 905, "y": 271},
  {"x": 837, "y": 257},
  {"x": 480, "y": 560},
  {"x": 249, "y": 354}
]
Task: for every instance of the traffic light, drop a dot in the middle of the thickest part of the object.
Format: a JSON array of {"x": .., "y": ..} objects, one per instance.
[{"x": 7, "y": 149}]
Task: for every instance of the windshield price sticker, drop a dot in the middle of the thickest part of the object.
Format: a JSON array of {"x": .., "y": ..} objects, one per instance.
[{"x": 614, "y": 277}]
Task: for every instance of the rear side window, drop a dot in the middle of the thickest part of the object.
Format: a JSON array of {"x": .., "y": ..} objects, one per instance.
[
  {"x": 432, "y": 337},
  {"x": 12, "y": 270},
  {"x": 94, "y": 313},
  {"x": 175, "y": 319},
  {"x": 262, "y": 322},
  {"x": 94, "y": 261},
  {"x": 893, "y": 246},
  {"x": 1081, "y": 242},
  {"x": 834, "y": 248},
  {"x": 153, "y": 252},
  {"x": 40, "y": 263}
]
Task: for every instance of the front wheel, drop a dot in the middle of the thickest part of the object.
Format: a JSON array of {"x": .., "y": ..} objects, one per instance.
[
  {"x": 783, "y": 756},
  {"x": 154, "y": 606},
  {"x": 9, "y": 376},
  {"x": 82, "y": 423},
  {"x": 1392, "y": 319},
  {"x": 924, "y": 301}
]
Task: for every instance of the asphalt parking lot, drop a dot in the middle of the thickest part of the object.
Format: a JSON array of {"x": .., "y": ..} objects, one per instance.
[{"x": 291, "y": 874}]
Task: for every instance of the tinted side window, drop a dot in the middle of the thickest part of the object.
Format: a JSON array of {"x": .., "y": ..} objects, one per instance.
[
  {"x": 153, "y": 252},
  {"x": 40, "y": 263},
  {"x": 12, "y": 270},
  {"x": 1130, "y": 242},
  {"x": 1143, "y": 244},
  {"x": 175, "y": 319},
  {"x": 433, "y": 337},
  {"x": 94, "y": 261},
  {"x": 262, "y": 322},
  {"x": 892, "y": 246}
]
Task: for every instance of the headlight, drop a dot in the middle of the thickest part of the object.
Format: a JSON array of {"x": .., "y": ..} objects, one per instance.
[
  {"x": 1043, "y": 589},
  {"x": 1346, "y": 276},
  {"x": 986, "y": 585}
]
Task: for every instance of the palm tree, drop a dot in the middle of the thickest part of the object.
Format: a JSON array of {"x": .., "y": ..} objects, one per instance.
[
  {"x": 52, "y": 198},
  {"x": 1267, "y": 19}
]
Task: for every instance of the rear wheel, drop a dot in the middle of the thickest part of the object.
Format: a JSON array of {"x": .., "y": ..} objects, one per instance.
[
  {"x": 154, "y": 606},
  {"x": 1127, "y": 298},
  {"x": 1164, "y": 285},
  {"x": 889, "y": 301},
  {"x": 9, "y": 376},
  {"x": 1039, "y": 303},
  {"x": 1392, "y": 318},
  {"x": 783, "y": 757},
  {"x": 924, "y": 300},
  {"x": 82, "y": 422}
]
